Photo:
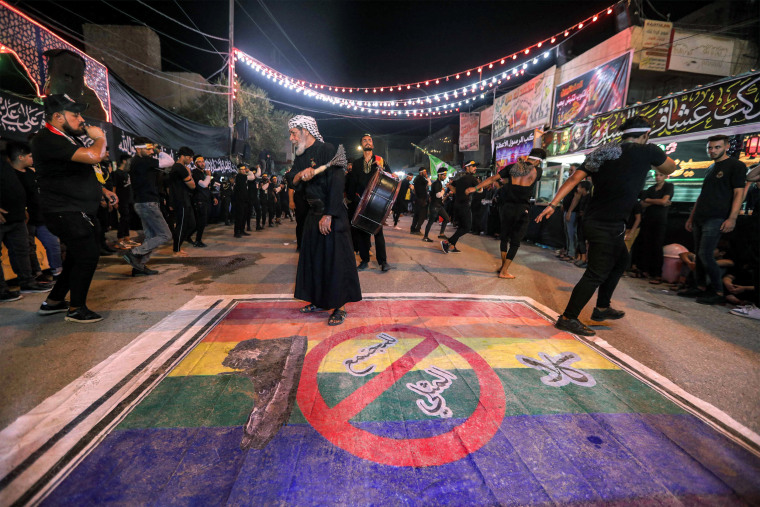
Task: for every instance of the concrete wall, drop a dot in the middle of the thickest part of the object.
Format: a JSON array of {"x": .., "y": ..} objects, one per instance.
[{"x": 134, "y": 54}]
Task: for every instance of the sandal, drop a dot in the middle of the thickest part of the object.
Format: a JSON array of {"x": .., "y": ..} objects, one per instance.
[
  {"x": 655, "y": 281},
  {"x": 311, "y": 309},
  {"x": 337, "y": 317}
]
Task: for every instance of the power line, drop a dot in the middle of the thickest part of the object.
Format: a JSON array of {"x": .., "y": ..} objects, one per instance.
[
  {"x": 147, "y": 70},
  {"x": 263, "y": 32},
  {"x": 196, "y": 26},
  {"x": 158, "y": 31},
  {"x": 71, "y": 33},
  {"x": 205, "y": 35},
  {"x": 282, "y": 30}
]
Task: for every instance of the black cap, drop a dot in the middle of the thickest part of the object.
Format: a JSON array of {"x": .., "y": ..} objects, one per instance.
[
  {"x": 442, "y": 169},
  {"x": 538, "y": 152},
  {"x": 58, "y": 103},
  {"x": 470, "y": 163}
]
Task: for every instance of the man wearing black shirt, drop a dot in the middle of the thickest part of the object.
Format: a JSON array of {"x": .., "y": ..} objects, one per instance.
[
  {"x": 420, "y": 184},
  {"x": 655, "y": 202},
  {"x": 225, "y": 195},
  {"x": 402, "y": 203},
  {"x": 462, "y": 206},
  {"x": 180, "y": 186},
  {"x": 70, "y": 195},
  {"x": 436, "y": 205},
  {"x": 519, "y": 185},
  {"x": 201, "y": 199},
  {"x": 20, "y": 156},
  {"x": 240, "y": 201},
  {"x": 357, "y": 180},
  {"x": 619, "y": 170},
  {"x": 122, "y": 185},
  {"x": 13, "y": 232},
  {"x": 144, "y": 173},
  {"x": 715, "y": 213},
  {"x": 326, "y": 276}
]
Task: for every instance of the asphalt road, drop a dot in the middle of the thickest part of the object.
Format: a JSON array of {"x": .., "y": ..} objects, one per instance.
[{"x": 704, "y": 350}]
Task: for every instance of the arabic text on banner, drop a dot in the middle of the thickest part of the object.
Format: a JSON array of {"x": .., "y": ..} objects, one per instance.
[
  {"x": 525, "y": 107},
  {"x": 598, "y": 90},
  {"x": 469, "y": 127}
]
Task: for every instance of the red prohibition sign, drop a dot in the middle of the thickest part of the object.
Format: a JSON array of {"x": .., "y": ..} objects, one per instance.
[{"x": 333, "y": 423}]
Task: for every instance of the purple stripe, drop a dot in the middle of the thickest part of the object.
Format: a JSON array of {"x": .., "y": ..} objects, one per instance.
[{"x": 591, "y": 458}]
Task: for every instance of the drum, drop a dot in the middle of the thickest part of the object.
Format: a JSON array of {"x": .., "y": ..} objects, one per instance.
[{"x": 376, "y": 203}]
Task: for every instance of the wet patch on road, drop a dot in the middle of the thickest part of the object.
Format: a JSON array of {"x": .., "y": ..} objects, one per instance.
[{"x": 207, "y": 269}]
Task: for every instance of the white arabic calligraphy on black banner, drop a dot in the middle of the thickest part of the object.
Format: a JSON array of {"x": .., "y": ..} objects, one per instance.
[{"x": 19, "y": 119}]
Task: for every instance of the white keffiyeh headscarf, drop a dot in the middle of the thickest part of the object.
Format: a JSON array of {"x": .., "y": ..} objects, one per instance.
[{"x": 308, "y": 123}]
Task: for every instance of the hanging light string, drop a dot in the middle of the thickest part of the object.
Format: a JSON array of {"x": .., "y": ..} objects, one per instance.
[{"x": 524, "y": 55}]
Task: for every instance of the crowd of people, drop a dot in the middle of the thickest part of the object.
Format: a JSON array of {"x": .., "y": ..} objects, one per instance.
[{"x": 51, "y": 193}]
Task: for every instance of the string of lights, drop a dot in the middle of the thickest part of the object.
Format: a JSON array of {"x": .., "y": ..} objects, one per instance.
[{"x": 525, "y": 55}]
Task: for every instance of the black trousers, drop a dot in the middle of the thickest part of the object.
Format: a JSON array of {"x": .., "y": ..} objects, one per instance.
[
  {"x": 242, "y": 211},
  {"x": 420, "y": 212},
  {"x": 514, "y": 222},
  {"x": 16, "y": 238},
  {"x": 271, "y": 211},
  {"x": 224, "y": 210},
  {"x": 302, "y": 209},
  {"x": 607, "y": 260},
  {"x": 80, "y": 233},
  {"x": 437, "y": 210},
  {"x": 124, "y": 213},
  {"x": 185, "y": 225},
  {"x": 365, "y": 242},
  {"x": 463, "y": 216},
  {"x": 650, "y": 241},
  {"x": 201, "y": 219}
]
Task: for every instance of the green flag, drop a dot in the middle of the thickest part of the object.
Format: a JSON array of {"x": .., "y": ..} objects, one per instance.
[{"x": 435, "y": 164}]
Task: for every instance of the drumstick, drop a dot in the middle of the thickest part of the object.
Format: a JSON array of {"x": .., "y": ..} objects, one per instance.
[{"x": 338, "y": 160}]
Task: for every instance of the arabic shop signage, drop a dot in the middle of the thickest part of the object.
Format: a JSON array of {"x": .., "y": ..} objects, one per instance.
[{"x": 729, "y": 104}]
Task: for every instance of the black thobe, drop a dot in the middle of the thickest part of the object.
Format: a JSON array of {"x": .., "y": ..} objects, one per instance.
[{"x": 327, "y": 275}]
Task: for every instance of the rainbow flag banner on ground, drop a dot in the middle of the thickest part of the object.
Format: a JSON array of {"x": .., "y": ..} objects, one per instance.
[{"x": 413, "y": 400}]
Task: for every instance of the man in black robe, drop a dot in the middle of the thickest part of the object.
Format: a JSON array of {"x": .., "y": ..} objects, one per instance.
[
  {"x": 327, "y": 276},
  {"x": 356, "y": 184}
]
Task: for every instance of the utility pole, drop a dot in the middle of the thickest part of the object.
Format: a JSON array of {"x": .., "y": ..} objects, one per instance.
[{"x": 231, "y": 74}]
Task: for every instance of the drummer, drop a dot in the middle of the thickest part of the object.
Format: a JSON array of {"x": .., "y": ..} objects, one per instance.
[{"x": 364, "y": 169}]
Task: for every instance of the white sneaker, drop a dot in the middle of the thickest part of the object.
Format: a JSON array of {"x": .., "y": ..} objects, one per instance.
[{"x": 749, "y": 311}]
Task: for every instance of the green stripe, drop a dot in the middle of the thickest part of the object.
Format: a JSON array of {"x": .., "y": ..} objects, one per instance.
[{"x": 226, "y": 400}]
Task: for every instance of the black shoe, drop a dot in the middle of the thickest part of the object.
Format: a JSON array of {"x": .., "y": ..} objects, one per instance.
[
  {"x": 132, "y": 259},
  {"x": 692, "y": 293},
  {"x": 574, "y": 326},
  {"x": 33, "y": 287},
  {"x": 454, "y": 249},
  {"x": 610, "y": 313},
  {"x": 711, "y": 299},
  {"x": 46, "y": 309},
  {"x": 441, "y": 236},
  {"x": 445, "y": 246},
  {"x": 362, "y": 266},
  {"x": 249, "y": 229},
  {"x": 385, "y": 267},
  {"x": 10, "y": 295},
  {"x": 259, "y": 228},
  {"x": 227, "y": 223},
  {"x": 245, "y": 233},
  {"x": 146, "y": 271},
  {"x": 238, "y": 235},
  {"x": 83, "y": 315},
  {"x": 107, "y": 248},
  {"x": 200, "y": 244},
  {"x": 416, "y": 233},
  {"x": 104, "y": 251},
  {"x": 427, "y": 240}
]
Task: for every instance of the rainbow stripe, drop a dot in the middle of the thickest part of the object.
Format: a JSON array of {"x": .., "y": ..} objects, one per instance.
[{"x": 615, "y": 441}]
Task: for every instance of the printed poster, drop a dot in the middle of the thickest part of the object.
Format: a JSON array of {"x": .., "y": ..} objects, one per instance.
[
  {"x": 597, "y": 91},
  {"x": 512, "y": 147},
  {"x": 525, "y": 107},
  {"x": 469, "y": 130}
]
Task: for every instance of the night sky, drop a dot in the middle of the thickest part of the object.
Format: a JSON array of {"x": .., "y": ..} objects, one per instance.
[{"x": 356, "y": 43}]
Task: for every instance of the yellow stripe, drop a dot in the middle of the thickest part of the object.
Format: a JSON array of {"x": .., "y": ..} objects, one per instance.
[{"x": 207, "y": 357}]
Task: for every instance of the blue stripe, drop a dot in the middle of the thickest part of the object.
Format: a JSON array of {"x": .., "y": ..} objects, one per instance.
[{"x": 532, "y": 459}]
